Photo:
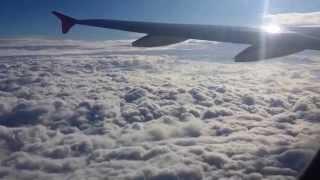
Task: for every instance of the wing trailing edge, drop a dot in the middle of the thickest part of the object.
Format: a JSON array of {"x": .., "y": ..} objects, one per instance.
[{"x": 156, "y": 41}]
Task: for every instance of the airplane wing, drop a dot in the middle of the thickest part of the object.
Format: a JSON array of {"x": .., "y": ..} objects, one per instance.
[
  {"x": 264, "y": 44},
  {"x": 313, "y": 31}
]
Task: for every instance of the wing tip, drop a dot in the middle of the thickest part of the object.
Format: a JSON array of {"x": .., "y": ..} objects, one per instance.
[{"x": 66, "y": 22}]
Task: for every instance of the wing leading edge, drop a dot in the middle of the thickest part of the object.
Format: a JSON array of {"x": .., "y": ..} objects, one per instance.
[{"x": 162, "y": 34}]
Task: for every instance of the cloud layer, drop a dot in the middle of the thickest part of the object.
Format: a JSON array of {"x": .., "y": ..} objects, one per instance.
[
  {"x": 312, "y": 18},
  {"x": 154, "y": 116}
]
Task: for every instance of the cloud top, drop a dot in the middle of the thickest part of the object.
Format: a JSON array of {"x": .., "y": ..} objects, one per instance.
[{"x": 142, "y": 115}]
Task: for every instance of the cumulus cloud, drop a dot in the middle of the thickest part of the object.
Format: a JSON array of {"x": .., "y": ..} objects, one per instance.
[{"x": 80, "y": 110}]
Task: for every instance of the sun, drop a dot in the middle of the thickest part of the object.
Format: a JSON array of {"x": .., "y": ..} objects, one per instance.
[{"x": 272, "y": 28}]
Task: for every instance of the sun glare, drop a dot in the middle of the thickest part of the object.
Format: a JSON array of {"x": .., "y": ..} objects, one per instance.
[{"x": 272, "y": 29}]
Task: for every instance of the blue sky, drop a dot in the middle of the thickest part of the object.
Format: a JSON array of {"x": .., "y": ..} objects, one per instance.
[{"x": 32, "y": 18}]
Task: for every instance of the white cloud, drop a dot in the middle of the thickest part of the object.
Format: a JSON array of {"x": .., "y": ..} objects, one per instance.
[
  {"x": 312, "y": 18},
  {"x": 137, "y": 114}
]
